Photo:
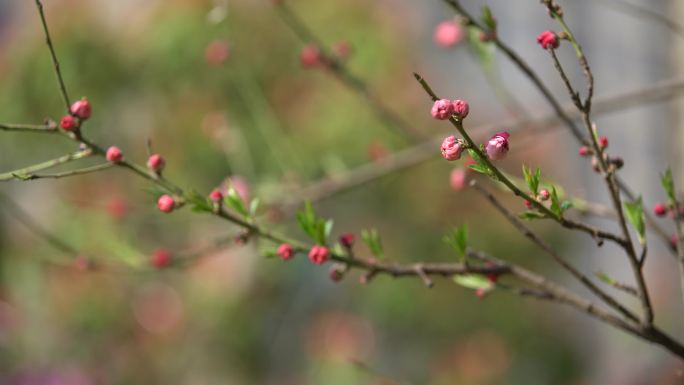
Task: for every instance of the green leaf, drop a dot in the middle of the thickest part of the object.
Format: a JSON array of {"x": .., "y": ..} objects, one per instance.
[
  {"x": 667, "y": 181},
  {"x": 198, "y": 202},
  {"x": 316, "y": 228},
  {"x": 532, "y": 179},
  {"x": 236, "y": 203},
  {"x": 372, "y": 239},
  {"x": 474, "y": 281},
  {"x": 566, "y": 205},
  {"x": 488, "y": 19},
  {"x": 555, "y": 203},
  {"x": 479, "y": 166},
  {"x": 635, "y": 215},
  {"x": 253, "y": 206},
  {"x": 483, "y": 50},
  {"x": 605, "y": 278},
  {"x": 530, "y": 215},
  {"x": 458, "y": 239}
]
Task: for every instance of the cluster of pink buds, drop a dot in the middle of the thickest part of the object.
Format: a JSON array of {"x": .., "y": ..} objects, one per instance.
[
  {"x": 318, "y": 254},
  {"x": 78, "y": 112},
  {"x": 448, "y": 34},
  {"x": 452, "y": 148},
  {"x": 548, "y": 39},
  {"x": 444, "y": 109},
  {"x": 497, "y": 146},
  {"x": 166, "y": 203},
  {"x": 285, "y": 251}
]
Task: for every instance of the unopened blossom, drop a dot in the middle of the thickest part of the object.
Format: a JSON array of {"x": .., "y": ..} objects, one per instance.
[
  {"x": 310, "y": 56},
  {"x": 442, "y": 109},
  {"x": 114, "y": 154},
  {"x": 156, "y": 163},
  {"x": 544, "y": 194},
  {"x": 318, "y": 254},
  {"x": 81, "y": 109},
  {"x": 461, "y": 108},
  {"x": 68, "y": 123},
  {"x": 451, "y": 148},
  {"x": 660, "y": 209},
  {"x": 285, "y": 251},
  {"x": 497, "y": 146},
  {"x": 548, "y": 39},
  {"x": 161, "y": 258},
  {"x": 166, "y": 203},
  {"x": 458, "y": 179},
  {"x": 448, "y": 34}
]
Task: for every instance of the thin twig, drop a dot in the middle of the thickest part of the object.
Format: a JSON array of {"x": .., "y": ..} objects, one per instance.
[
  {"x": 38, "y": 128},
  {"x": 551, "y": 252},
  {"x": 26, "y": 172},
  {"x": 53, "y": 55},
  {"x": 346, "y": 77}
]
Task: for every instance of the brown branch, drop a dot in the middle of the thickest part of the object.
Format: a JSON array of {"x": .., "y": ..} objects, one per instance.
[
  {"x": 551, "y": 252},
  {"x": 51, "y": 127},
  {"x": 344, "y": 75},
  {"x": 53, "y": 55},
  {"x": 26, "y": 172}
]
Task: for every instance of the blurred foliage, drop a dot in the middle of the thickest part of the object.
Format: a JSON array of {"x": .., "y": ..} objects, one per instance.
[{"x": 235, "y": 318}]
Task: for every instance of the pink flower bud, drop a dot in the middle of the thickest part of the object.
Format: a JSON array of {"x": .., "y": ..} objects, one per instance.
[
  {"x": 216, "y": 195},
  {"x": 497, "y": 146},
  {"x": 458, "y": 179},
  {"x": 81, "y": 109},
  {"x": 603, "y": 142},
  {"x": 480, "y": 292},
  {"x": 68, "y": 123},
  {"x": 584, "y": 151},
  {"x": 451, "y": 148},
  {"x": 318, "y": 255},
  {"x": 442, "y": 109},
  {"x": 347, "y": 240},
  {"x": 544, "y": 195},
  {"x": 342, "y": 49},
  {"x": 461, "y": 108},
  {"x": 285, "y": 251},
  {"x": 310, "y": 56},
  {"x": 660, "y": 209},
  {"x": 335, "y": 274},
  {"x": 156, "y": 163},
  {"x": 166, "y": 203},
  {"x": 448, "y": 34},
  {"x": 114, "y": 154},
  {"x": 528, "y": 204},
  {"x": 161, "y": 258},
  {"x": 216, "y": 53},
  {"x": 548, "y": 39}
]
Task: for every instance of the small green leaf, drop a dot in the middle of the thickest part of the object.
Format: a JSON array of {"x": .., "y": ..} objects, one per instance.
[
  {"x": 372, "y": 239},
  {"x": 605, "y": 278},
  {"x": 316, "y": 228},
  {"x": 532, "y": 179},
  {"x": 667, "y": 181},
  {"x": 458, "y": 239},
  {"x": 488, "y": 19},
  {"x": 236, "y": 203},
  {"x": 474, "y": 281},
  {"x": 555, "y": 203},
  {"x": 328, "y": 228},
  {"x": 566, "y": 205},
  {"x": 531, "y": 215},
  {"x": 253, "y": 206},
  {"x": 479, "y": 166},
  {"x": 198, "y": 202},
  {"x": 635, "y": 215}
]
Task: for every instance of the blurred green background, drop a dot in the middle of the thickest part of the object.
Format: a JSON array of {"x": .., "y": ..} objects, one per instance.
[{"x": 149, "y": 69}]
